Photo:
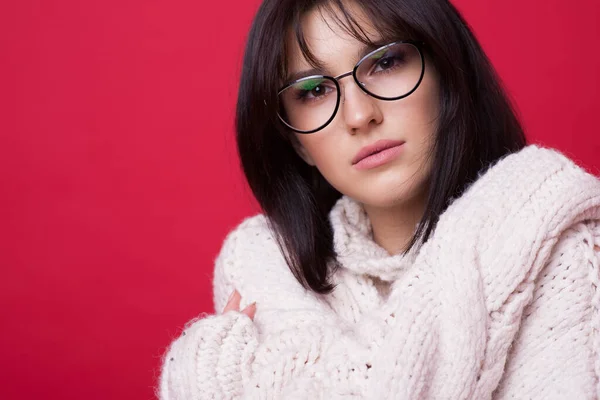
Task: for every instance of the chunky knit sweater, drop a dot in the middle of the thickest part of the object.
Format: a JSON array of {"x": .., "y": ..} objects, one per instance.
[{"x": 502, "y": 302}]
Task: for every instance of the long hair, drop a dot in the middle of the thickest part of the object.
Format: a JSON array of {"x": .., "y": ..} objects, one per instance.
[{"x": 477, "y": 123}]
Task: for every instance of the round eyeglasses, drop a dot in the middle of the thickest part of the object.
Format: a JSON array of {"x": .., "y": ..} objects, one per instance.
[{"x": 391, "y": 72}]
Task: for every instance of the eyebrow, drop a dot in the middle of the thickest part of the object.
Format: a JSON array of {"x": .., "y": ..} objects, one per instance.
[
  {"x": 363, "y": 51},
  {"x": 303, "y": 74}
]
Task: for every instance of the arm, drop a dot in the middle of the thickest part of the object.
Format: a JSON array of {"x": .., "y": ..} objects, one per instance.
[
  {"x": 556, "y": 354},
  {"x": 304, "y": 350},
  {"x": 298, "y": 349},
  {"x": 210, "y": 359}
]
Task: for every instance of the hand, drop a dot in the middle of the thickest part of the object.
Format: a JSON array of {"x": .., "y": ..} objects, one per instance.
[{"x": 234, "y": 304}]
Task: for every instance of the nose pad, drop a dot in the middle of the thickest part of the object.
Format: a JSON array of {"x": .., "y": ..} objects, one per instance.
[{"x": 343, "y": 89}]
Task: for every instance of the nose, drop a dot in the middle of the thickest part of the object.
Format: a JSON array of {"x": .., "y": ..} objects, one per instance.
[{"x": 358, "y": 108}]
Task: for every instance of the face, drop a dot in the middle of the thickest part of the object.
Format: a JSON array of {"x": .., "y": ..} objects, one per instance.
[{"x": 363, "y": 120}]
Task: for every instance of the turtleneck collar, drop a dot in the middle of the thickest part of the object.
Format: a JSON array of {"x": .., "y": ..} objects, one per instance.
[{"x": 357, "y": 250}]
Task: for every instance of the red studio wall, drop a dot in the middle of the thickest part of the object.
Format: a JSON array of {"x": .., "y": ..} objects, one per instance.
[{"x": 119, "y": 178}]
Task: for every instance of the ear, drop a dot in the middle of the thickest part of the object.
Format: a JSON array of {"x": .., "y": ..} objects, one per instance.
[{"x": 301, "y": 151}]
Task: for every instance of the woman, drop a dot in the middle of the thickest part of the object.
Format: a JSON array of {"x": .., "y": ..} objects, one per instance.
[{"x": 412, "y": 246}]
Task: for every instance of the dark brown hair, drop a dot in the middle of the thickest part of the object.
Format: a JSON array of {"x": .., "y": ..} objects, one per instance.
[{"x": 477, "y": 124}]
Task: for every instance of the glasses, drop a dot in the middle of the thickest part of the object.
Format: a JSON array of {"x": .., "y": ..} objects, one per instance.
[{"x": 391, "y": 72}]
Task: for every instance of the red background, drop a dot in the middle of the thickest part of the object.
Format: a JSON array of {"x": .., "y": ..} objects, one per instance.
[{"x": 119, "y": 178}]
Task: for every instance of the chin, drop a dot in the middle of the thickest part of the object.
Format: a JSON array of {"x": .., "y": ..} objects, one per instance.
[
  {"x": 388, "y": 191},
  {"x": 383, "y": 200}
]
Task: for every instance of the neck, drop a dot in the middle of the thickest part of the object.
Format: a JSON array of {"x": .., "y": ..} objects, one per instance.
[{"x": 394, "y": 227}]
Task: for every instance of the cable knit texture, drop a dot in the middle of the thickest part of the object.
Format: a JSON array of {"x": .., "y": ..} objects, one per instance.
[{"x": 502, "y": 302}]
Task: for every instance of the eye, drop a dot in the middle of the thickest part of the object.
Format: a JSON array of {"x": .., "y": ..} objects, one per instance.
[
  {"x": 388, "y": 61},
  {"x": 317, "y": 91},
  {"x": 312, "y": 89},
  {"x": 385, "y": 63}
]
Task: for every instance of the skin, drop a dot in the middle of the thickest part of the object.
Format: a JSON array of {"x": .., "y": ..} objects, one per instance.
[
  {"x": 394, "y": 194},
  {"x": 233, "y": 304}
]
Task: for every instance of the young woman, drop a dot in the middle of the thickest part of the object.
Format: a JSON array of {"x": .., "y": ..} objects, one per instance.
[{"x": 412, "y": 246}]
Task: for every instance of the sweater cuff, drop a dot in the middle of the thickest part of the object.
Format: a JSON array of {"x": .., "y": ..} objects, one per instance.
[{"x": 211, "y": 359}]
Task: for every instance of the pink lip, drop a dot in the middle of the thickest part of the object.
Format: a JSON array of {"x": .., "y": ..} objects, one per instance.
[{"x": 376, "y": 154}]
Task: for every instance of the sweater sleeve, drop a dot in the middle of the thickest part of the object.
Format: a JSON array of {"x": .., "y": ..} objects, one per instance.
[
  {"x": 210, "y": 359},
  {"x": 556, "y": 353}
]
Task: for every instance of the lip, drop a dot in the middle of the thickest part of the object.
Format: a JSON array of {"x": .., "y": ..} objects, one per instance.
[{"x": 377, "y": 153}]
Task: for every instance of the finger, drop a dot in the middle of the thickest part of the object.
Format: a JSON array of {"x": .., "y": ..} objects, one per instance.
[
  {"x": 234, "y": 302},
  {"x": 250, "y": 310}
]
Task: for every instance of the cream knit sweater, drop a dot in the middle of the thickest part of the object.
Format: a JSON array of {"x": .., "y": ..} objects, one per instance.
[{"x": 501, "y": 303}]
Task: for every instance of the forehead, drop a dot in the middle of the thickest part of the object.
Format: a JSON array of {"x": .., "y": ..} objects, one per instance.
[{"x": 328, "y": 37}]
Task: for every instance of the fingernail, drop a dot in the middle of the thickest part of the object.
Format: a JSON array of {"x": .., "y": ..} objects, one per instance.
[
  {"x": 251, "y": 309},
  {"x": 231, "y": 296}
]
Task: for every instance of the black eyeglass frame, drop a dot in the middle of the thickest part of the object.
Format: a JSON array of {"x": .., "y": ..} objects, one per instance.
[{"x": 335, "y": 79}]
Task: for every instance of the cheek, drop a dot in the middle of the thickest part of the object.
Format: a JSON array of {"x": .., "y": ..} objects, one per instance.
[
  {"x": 330, "y": 157},
  {"x": 416, "y": 114},
  {"x": 319, "y": 148}
]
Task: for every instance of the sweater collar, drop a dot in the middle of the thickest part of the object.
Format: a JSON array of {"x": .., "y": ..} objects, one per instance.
[{"x": 355, "y": 247}]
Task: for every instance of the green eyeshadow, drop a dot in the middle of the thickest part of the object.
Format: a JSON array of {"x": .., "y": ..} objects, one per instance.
[
  {"x": 379, "y": 54},
  {"x": 310, "y": 84}
]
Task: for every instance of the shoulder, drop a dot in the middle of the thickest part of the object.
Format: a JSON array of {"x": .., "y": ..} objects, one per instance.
[
  {"x": 251, "y": 261},
  {"x": 581, "y": 241},
  {"x": 572, "y": 272},
  {"x": 574, "y": 259},
  {"x": 558, "y": 334},
  {"x": 251, "y": 237},
  {"x": 240, "y": 243}
]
